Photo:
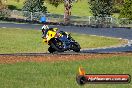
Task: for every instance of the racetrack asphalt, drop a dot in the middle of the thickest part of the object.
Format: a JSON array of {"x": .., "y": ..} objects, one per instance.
[{"x": 123, "y": 33}]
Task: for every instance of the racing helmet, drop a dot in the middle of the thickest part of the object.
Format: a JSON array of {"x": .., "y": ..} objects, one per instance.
[{"x": 44, "y": 27}]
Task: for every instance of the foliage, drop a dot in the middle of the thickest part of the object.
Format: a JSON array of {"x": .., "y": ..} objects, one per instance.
[
  {"x": 126, "y": 11},
  {"x": 12, "y": 7},
  {"x": 101, "y": 8},
  {"x": 3, "y": 10},
  {"x": 34, "y": 6}
]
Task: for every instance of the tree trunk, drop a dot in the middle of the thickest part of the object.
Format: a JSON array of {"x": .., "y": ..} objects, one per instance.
[
  {"x": 0, "y": 2},
  {"x": 2, "y": 6},
  {"x": 67, "y": 11}
]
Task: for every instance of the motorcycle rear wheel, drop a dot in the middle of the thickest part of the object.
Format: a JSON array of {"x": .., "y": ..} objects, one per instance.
[
  {"x": 51, "y": 50},
  {"x": 57, "y": 45}
]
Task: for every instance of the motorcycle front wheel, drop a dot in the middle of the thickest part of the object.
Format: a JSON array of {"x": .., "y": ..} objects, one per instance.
[{"x": 76, "y": 47}]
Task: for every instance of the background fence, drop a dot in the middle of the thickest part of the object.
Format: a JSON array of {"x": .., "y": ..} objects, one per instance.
[{"x": 89, "y": 20}]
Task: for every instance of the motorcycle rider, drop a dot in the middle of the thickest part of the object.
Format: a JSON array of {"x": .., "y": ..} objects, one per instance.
[
  {"x": 44, "y": 30},
  {"x": 48, "y": 33},
  {"x": 64, "y": 39}
]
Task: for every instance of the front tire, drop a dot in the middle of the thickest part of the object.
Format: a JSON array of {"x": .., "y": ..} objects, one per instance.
[{"x": 76, "y": 47}]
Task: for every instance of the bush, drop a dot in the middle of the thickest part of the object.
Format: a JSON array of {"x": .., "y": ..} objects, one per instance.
[
  {"x": 12, "y": 7},
  {"x": 4, "y": 10},
  {"x": 4, "y": 13}
]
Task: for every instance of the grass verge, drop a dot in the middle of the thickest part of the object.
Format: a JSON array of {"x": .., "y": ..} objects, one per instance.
[
  {"x": 24, "y": 41},
  {"x": 62, "y": 74},
  {"x": 81, "y": 8}
]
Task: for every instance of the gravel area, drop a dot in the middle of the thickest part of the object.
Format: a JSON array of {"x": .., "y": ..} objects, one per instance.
[{"x": 53, "y": 58}]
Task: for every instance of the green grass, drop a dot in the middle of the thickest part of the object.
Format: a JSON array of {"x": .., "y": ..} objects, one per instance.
[
  {"x": 89, "y": 41},
  {"x": 19, "y": 5},
  {"x": 62, "y": 74},
  {"x": 81, "y": 8},
  {"x": 19, "y": 40},
  {"x": 22, "y": 40}
]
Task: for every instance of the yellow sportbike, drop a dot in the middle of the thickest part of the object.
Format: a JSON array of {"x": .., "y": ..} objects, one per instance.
[{"x": 61, "y": 41}]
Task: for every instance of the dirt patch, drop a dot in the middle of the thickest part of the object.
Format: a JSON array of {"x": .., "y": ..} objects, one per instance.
[{"x": 53, "y": 58}]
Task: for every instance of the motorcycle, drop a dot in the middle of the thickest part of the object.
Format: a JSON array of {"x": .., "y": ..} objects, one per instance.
[{"x": 63, "y": 42}]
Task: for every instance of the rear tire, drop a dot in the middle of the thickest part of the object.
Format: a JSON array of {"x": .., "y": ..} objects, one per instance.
[
  {"x": 51, "y": 50},
  {"x": 56, "y": 46}
]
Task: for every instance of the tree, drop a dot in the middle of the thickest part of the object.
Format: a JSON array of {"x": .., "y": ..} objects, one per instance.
[
  {"x": 1, "y": 5},
  {"x": 126, "y": 11},
  {"x": 101, "y": 9},
  {"x": 3, "y": 10},
  {"x": 67, "y": 8},
  {"x": 34, "y": 6}
]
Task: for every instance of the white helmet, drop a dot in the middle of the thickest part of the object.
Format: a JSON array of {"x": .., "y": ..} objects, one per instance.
[{"x": 45, "y": 27}]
